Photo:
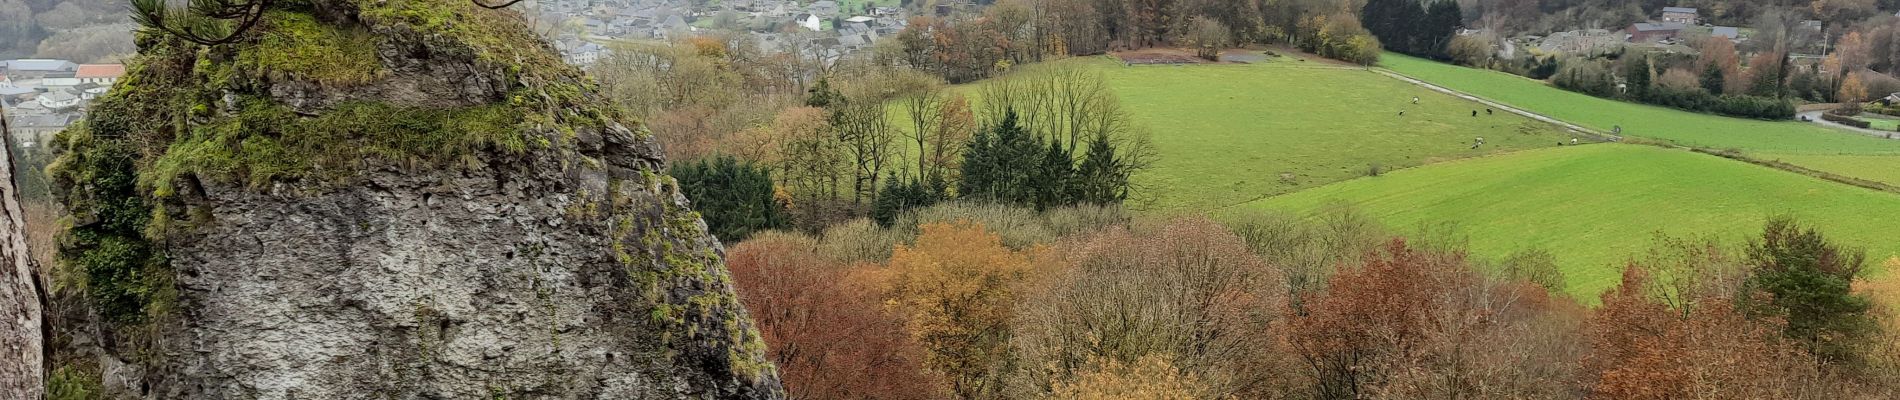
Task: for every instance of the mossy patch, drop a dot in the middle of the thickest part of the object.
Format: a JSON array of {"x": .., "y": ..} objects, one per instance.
[
  {"x": 687, "y": 295},
  {"x": 266, "y": 142},
  {"x": 298, "y": 46},
  {"x": 75, "y": 382}
]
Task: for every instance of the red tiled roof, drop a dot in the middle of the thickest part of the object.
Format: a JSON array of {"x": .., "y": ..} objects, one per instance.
[{"x": 100, "y": 71}]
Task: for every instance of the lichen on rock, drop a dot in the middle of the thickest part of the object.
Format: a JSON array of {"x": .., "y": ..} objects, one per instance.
[{"x": 404, "y": 198}]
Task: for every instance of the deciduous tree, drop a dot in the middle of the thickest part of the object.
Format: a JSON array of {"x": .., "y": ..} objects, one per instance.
[
  {"x": 954, "y": 287},
  {"x": 824, "y": 325}
]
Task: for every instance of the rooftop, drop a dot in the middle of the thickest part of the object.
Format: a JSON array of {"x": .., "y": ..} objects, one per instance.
[
  {"x": 1689, "y": 10},
  {"x": 100, "y": 71},
  {"x": 41, "y": 65},
  {"x": 1652, "y": 27},
  {"x": 42, "y": 121}
]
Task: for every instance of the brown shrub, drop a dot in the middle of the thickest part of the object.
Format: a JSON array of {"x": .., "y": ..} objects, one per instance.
[{"x": 824, "y": 324}]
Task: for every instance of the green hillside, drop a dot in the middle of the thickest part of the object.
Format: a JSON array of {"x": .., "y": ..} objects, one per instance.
[
  {"x": 1642, "y": 120},
  {"x": 1593, "y": 206},
  {"x": 1884, "y": 169},
  {"x": 1231, "y": 133}
]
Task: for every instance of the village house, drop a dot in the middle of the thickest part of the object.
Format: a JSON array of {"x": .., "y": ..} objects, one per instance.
[
  {"x": 1680, "y": 15},
  {"x": 1730, "y": 32},
  {"x": 91, "y": 91},
  {"x": 59, "y": 100},
  {"x": 824, "y": 8},
  {"x": 104, "y": 74},
  {"x": 1647, "y": 32},
  {"x": 809, "y": 21},
  {"x": 31, "y": 130},
  {"x": 13, "y": 95}
]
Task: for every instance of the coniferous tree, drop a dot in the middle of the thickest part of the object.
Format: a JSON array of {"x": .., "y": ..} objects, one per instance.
[
  {"x": 1102, "y": 177},
  {"x": 1712, "y": 79},
  {"x": 1000, "y": 168},
  {"x": 1053, "y": 178},
  {"x": 1636, "y": 76},
  {"x": 1809, "y": 283},
  {"x": 900, "y": 195},
  {"x": 1441, "y": 23},
  {"x": 736, "y": 198},
  {"x": 822, "y": 95}
]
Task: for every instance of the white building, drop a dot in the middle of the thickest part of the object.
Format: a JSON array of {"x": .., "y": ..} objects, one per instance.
[
  {"x": 809, "y": 21},
  {"x": 103, "y": 74}
]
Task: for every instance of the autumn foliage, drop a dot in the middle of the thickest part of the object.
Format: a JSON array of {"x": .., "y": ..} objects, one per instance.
[
  {"x": 954, "y": 285},
  {"x": 829, "y": 334},
  {"x": 1186, "y": 290},
  {"x": 1645, "y": 349},
  {"x": 1186, "y": 308}
]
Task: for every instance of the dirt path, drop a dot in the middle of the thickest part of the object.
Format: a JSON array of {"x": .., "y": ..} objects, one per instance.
[
  {"x": 1514, "y": 110},
  {"x": 1815, "y": 117}
]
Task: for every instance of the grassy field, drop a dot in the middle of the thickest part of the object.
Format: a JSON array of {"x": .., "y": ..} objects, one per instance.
[
  {"x": 1231, "y": 133},
  {"x": 1594, "y": 206},
  {"x": 1879, "y": 122},
  {"x": 1884, "y": 169},
  {"x": 1685, "y": 128}
]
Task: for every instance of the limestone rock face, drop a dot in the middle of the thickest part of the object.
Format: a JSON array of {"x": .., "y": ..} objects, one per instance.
[{"x": 248, "y": 227}]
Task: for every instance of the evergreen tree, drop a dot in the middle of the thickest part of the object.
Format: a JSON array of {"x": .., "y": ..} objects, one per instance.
[
  {"x": 1809, "y": 283},
  {"x": 975, "y": 170},
  {"x": 1712, "y": 79},
  {"x": 736, "y": 198},
  {"x": 1101, "y": 178},
  {"x": 1000, "y": 168},
  {"x": 1637, "y": 76},
  {"x": 822, "y": 95},
  {"x": 900, "y": 195},
  {"x": 1054, "y": 179},
  {"x": 1441, "y": 22}
]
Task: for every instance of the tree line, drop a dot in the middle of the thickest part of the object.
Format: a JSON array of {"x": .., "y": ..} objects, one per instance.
[
  {"x": 971, "y": 301},
  {"x": 966, "y": 48},
  {"x": 865, "y": 138}
]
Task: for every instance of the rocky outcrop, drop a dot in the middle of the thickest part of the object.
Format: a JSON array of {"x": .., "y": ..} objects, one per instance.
[
  {"x": 22, "y": 347},
  {"x": 393, "y": 199}
]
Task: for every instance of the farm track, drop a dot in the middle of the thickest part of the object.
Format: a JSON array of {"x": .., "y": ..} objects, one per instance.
[
  {"x": 1498, "y": 105},
  {"x": 1815, "y": 117}
]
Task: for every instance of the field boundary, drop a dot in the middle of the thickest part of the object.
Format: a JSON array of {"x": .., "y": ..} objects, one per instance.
[
  {"x": 1729, "y": 154},
  {"x": 1785, "y": 166},
  {"x": 1500, "y": 105}
]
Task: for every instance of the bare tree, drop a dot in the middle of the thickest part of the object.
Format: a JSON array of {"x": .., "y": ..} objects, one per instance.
[{"x": 925, "y": 106}]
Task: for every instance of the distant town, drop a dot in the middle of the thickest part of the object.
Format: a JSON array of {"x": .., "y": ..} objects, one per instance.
[
  {"x": 43, "y": 96},
  {"x": 828, "y": 29}
]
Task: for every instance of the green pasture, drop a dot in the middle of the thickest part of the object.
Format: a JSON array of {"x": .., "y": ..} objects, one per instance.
[
  {"x": 1884, "y": 169},
  {"x": 1595, "y": 206},
  {"x": 1686, "y": 128},
  {"x": 1226, "y": 134}
]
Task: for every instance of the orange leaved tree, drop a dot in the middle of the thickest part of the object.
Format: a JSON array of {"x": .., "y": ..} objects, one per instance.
[{"x": 955, "y": 286}]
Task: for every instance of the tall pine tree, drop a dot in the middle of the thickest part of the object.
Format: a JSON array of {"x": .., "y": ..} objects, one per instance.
[
  {"x": 1054, "y": 178},
  {"x": 998, "y": 164},
  {"x": 1102, "y": 177},
  {"x": 1636, "y": 76}
]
